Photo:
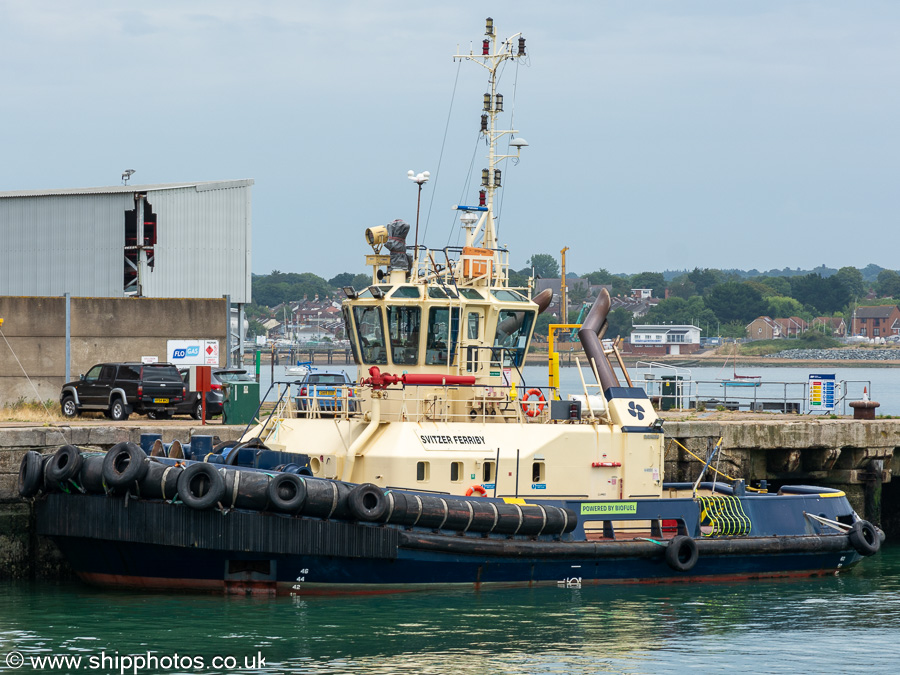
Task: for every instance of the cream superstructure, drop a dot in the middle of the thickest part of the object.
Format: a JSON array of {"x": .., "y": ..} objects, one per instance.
[{"x": 439, "y": 338}]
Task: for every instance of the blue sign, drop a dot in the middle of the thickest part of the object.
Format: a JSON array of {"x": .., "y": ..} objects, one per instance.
[
  {"x": 821, "y": 393},
  {"x": 538, "y": 486}
]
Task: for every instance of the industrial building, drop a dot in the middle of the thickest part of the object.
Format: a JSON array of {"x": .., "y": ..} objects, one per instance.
[{"x": 183, "y": 250}]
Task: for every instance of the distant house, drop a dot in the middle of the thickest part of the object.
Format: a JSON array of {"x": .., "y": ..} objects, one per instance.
[
  {"x": 830, "y": 325},
  {"x": 657, "y": 340},
  {"x": 792, "y": 326},
  {"x": 638, "y": 303},
  {"x": 273, "y": 328},
  {"x": 763, "y": 328},
  {"x": 571, "y": 284},
  {"x": 878, "y": 321}
]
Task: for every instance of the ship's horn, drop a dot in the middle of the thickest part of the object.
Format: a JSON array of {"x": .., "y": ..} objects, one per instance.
[{"x": 589, "y": 334}]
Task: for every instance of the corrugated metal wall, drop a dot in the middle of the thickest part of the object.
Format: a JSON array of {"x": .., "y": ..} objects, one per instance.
[
  {"x": 203, "y": 243},
  {"x": 57, "y": 244},
  {"x": 74, "y": 243}
]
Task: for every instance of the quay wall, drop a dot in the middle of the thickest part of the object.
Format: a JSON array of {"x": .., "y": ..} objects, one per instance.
[
  {"x": 856, "y": 456},
  {"x": 101, "y": 330}
]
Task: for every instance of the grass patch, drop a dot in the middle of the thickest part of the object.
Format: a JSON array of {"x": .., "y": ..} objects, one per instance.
[{"x": 32, "y": 411}]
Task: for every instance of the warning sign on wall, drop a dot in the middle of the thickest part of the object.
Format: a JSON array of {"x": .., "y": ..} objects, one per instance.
[{"x": 193, "y": 352}]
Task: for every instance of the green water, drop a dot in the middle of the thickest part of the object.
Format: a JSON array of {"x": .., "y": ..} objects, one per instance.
[{"x": 846, "y": 624}]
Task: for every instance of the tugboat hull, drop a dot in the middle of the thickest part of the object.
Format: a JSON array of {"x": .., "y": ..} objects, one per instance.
[{"x": 154, "y": 545}]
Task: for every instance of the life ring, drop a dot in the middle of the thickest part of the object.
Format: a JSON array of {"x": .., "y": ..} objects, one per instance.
[
  {"x": 476, "y": 488},
  {"x": 529, "y": 410},
  {"x": 681, "y": 553}
]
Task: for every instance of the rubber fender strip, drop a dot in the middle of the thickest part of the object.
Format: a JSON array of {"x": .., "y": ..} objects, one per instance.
[
  {"x": 521, "y": 518},
  {"x": 162, "y": 482},
  {"x": 496, "y": 516},
  {"x": 446, "y": 512},
  {"x": 544, "y": 516},
  {"x": 419, "y": 504},
  {"x": 471, "y": 516},
  {"x": 234, "y": 491},
  {"x": 334, "y": 498},
  {"x": 390, "y": 496},
  {"x": 565, "y": 520}
]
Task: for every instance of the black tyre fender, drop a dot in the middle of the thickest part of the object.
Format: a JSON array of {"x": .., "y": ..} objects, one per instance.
[
  {"x": 69, "y": 407},
  {"x": 287, "y": 492},
  {"x": 681, "y": 553},
  {"x": 118, "y": 411},
  {"x": 65, "y": 464},
  {"x": 201, "y": 486},
  {"x": 31, "y": 474},
  {"x": 367, "y": 502},
  {"x": 864, "y": 538},
  {"x": 124, "y": 464}
]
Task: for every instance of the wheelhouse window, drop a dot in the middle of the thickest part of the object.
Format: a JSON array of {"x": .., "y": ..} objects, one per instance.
[
  {"x": 472, "y": 325},
  {"x": 350, "y": 333},
  {"x": 370, "y": 330},
  {"x": 513, "y": 329},
  {"x": 443, "y": 333},
  {"x": 508, "y": 296},
  {"x": 403, "y": 327},
  {"x": 412, "y": 292}
]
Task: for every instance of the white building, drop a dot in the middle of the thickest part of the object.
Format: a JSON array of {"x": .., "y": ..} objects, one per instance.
[{"x": 665, "y": 339}]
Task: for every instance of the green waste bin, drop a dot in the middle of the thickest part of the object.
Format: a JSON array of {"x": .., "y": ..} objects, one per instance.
[
  {"x": 672, "y": 392},
  {"x": 241, "y": 402}
]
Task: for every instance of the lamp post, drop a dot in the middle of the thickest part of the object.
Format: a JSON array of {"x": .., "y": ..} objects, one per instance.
[{"x": 419, "y": 179}]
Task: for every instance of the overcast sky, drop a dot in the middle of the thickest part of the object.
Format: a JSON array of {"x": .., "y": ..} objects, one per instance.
[{"x": 663, "y": 135}]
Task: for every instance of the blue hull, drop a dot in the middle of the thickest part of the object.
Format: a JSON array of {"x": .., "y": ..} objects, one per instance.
[{"x": 160, "y": 546}]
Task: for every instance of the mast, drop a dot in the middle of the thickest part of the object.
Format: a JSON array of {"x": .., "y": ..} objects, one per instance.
[{"x": 493, "y": 54}]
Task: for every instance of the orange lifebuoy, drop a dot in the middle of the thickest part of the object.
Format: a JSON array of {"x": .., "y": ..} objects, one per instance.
[
  {"x": 530, "y": 410},
  {"x": 476, "y": 488}
]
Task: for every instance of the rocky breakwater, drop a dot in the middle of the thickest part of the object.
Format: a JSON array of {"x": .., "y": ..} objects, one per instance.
[{"x": 839, "y": 354}]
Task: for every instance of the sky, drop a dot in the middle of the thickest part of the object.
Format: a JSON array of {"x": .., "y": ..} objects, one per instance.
[{"x": 662, "y": 134}]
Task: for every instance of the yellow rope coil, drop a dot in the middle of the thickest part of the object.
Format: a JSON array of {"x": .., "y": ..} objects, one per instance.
[{"x": 711, "y": 468}]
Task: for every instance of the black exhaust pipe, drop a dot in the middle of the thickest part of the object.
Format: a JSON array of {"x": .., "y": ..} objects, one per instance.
[{"x": 590, "y": 334}]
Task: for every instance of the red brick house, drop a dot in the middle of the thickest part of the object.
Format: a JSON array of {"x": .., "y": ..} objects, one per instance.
[{"x": 878, "y": 321}]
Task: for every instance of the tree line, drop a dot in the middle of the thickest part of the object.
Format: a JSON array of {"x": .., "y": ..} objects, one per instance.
[{"x": 720, "y": 302}]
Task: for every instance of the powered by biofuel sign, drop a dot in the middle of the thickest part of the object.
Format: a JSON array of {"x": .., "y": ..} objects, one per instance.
[{"x": 609, "y": 508}]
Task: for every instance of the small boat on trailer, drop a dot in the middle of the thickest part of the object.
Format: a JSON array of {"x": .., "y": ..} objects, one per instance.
[{"x": 450, "y": 471}]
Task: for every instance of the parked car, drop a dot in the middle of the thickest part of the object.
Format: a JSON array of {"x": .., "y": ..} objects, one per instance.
[
  {"x": 326, "y": 389},
  {"x": 119, "y": 389}
]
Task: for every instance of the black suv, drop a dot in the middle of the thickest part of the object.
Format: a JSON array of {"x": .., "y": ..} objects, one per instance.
[{"x": 118, "y": 389}]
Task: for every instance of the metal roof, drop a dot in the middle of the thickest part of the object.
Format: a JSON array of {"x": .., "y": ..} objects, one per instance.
[{"x": 118, "y": 189}]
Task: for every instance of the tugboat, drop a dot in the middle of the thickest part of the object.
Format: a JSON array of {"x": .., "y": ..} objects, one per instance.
[{"x": 440, "y": 466}]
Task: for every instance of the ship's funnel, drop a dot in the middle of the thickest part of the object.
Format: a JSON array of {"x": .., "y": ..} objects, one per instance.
[{"x": 590, "y": 334}]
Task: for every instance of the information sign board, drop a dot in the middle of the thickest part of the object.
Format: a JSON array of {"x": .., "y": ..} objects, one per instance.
[{"x": 821, "y": 393}]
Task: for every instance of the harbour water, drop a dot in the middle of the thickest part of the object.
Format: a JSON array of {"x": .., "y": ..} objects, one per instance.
[
  {"x": 882, "y": 384},
  {"x": 844, "y": 624}
]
